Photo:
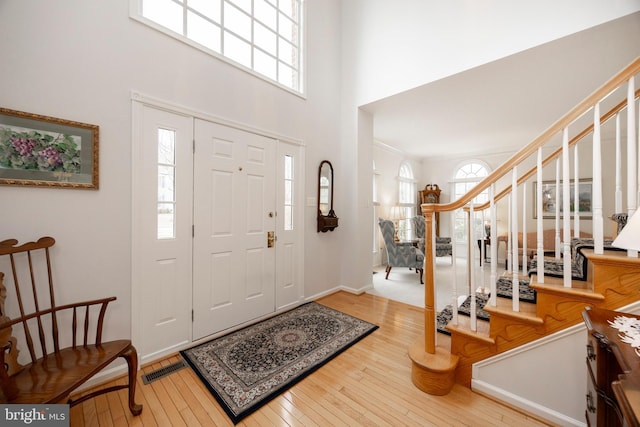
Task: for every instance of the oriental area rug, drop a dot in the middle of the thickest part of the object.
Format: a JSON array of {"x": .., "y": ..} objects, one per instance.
[{"x": 247, "y": 368}]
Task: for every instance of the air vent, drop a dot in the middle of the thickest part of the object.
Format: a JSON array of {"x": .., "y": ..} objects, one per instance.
[{"x": 163, "y": 372}]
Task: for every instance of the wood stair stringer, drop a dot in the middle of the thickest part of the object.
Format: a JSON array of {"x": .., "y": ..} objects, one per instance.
[{"x": 617, "y": 283}]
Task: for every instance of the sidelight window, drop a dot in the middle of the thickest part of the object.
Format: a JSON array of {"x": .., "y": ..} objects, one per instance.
[
  {"x": 288, "y": 192},
  {"x": 166, "y": 200}
]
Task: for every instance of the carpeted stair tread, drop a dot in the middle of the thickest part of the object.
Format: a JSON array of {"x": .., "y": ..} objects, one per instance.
[
  {"x": 504, "y": 288},
  {"x": 445, "y": 316},
  {"x": 504, "y": 304},
  {"x": 481, "y": 301}
]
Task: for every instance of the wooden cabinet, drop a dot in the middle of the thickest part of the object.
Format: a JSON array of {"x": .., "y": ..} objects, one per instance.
[
  {"x": 431, "y": 194},
  {"x": 613, "y": 372}
]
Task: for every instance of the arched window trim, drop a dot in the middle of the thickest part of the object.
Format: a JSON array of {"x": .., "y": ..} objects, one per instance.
[
  {"x": 475, "y": 179},
  {"x": 460, "y": 222}
]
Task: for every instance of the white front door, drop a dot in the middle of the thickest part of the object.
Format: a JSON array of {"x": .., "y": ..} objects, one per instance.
[{"x": 234, "y": 218}]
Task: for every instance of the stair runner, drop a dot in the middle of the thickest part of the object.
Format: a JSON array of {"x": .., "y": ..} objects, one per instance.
[
  {"x": 503, "y": 289},
  {"x": 552, "y": 267}
]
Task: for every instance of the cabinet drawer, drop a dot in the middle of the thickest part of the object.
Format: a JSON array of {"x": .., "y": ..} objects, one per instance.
[
  {"x": 592, "y": 355},
  {"x": 591, "y": 398}
]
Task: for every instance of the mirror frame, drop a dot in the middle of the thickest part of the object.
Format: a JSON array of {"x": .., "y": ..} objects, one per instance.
[{"x": 330, "y": 221}]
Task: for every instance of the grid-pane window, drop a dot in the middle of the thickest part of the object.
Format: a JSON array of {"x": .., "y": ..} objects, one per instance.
[
  {"x": 166, "y": 201},
  {"x": 262, "y": 35},
  {"x": 288, "y": 192},
  {"x": 406, "y": 201},
  {"x": 466, "y": 177}
]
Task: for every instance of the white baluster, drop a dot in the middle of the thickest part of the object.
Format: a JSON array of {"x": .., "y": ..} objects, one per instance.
[
  {"x": 454, "y": 278},
  {"x": 632, "y": 172},
  {"x": 576, "y": 193},
  {"x": 566, "y": 205},
  {"x": 509, "y": 236},
  {"x": 483, "y": 255},
  {"x": 525, "y": 247},
  {"x": 539, "y": 223},
  {"x": 557, "y": 213},
  {"x": 494, "y": 244},
  {"x": 596, "y": 197},
  {"x": 515, "y": 288},
  {"x": 472, "y": 287},
  {"x": 618, "y": 207}
]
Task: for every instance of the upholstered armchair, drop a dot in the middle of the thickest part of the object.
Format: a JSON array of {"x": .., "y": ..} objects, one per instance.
[
  {"x": 399, "y": 255},
  {"x": 443, "y": 244},
  {"x": 621, "y": 220}
]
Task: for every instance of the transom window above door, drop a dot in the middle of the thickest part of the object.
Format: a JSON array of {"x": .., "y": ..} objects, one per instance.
[{"x": 260, "y": 36}]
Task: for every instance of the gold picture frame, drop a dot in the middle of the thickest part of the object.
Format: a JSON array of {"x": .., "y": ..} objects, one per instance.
[{"x": 44, "y": 151}]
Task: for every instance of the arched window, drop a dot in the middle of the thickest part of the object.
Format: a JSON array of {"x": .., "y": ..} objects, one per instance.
[
  {"x": 406, "y": 201},
  {"x": 465, "y": 178}
]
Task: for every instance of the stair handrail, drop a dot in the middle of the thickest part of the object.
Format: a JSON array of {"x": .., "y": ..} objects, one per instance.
[
  {"x": 612, "y": 84},
  {"x": 558, "y": 152}
]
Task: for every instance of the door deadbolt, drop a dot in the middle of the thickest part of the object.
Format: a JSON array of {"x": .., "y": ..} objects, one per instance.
[{"x": 271, "y": 238}]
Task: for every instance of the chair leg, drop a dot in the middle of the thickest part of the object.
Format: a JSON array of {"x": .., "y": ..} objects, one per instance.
[
  {"x": 420, "y": 270},
  {"x": 388, "y": 270},
  {"x": 131, "y": 356}
]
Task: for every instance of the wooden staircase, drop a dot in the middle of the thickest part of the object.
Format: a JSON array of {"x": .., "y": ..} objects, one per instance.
[
  {"x": 613, "y": 278},
  {"x": 613, "y": 282}
]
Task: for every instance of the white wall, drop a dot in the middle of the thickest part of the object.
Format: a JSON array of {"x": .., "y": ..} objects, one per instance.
[
  {"x": 548, "y": 377},
  {"x": 79, "y": 60},
  {"x": 388, "y": 47},
  {"x": 438, "y": 39}
]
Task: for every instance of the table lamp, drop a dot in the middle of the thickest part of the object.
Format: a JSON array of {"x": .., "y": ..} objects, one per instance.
[{"x": 629, "y": 237}]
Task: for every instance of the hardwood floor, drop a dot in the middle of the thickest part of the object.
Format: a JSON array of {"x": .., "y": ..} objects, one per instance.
[{"x": 368, "y": 384}]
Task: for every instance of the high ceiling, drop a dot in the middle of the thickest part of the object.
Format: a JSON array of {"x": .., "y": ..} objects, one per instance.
[{"x": 501, "y": 106}]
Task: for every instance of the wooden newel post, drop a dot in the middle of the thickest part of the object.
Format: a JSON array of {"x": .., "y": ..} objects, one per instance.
[{"x": 429, "y": 282}]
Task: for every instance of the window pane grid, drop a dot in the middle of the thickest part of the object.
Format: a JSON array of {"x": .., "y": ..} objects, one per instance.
[
  {"x": 466, "y": 177},
  {"x": 166, "y": 175},
  {"x": 237, "y": 29},
  {"x": 288, "y": 192}
]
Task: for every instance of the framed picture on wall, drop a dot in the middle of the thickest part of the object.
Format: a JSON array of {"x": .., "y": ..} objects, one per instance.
[
  {"x": 47, "y": 151},
  {"x": 549, "y": 202}
]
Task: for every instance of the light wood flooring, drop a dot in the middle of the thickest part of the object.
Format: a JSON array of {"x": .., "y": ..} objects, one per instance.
[{"x": 368, "y": 384}]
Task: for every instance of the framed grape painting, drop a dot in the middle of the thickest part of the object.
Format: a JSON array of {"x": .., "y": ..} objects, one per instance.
[{"x": 47, "y": 151}]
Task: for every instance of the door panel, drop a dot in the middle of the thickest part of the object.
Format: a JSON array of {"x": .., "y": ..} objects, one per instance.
[
  {"x": 290, "y": 218},
  {"x": 234, "y": 192},
  {"x": 161, "y": 267}
]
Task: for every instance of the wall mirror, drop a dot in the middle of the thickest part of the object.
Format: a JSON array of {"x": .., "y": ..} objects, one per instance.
[{"x": 327, "y": 219}]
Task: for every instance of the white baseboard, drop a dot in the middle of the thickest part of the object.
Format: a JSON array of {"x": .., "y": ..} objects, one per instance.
[{"x": 526, "y": 405}]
